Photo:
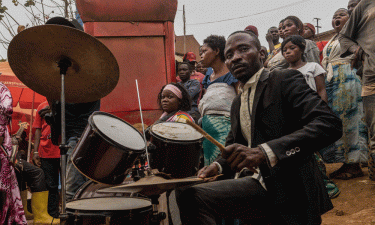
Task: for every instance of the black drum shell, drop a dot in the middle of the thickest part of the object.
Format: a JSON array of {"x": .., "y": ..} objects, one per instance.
[
  {"x": 101, "y": 159},
  {"x": 89, "y": 190},
  {"x": 180, "y": 159}
]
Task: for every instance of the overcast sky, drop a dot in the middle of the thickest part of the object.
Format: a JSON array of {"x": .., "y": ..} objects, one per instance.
[
  {"x": 261, "y": 13},
  {"x": 201, "y": 16}
]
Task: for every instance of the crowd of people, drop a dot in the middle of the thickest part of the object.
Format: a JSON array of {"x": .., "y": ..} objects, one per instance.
[{"x": 281, "y": 110}]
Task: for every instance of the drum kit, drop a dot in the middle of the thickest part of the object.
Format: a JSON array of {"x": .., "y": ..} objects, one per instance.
[{"x": 50, "y": 59}]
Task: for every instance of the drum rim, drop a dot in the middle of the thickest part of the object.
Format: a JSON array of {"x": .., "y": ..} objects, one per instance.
[
  {"x": 105, "y": 137},
  {"x": 146, "y": 208},
  {"x": 93, "y": 179},
  {"x": 174, "y": 141}
]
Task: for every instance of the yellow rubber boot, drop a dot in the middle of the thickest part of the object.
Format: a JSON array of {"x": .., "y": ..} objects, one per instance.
[
  {"x": 39, "y": 205},
  {"x": 29, "y": 215}
]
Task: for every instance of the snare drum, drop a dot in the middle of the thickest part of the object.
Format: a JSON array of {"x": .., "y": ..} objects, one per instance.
[
  {"x": 90, "y": 207},
  {"x": 178, "y": 149},
  {"x": 107, "y": 149}
]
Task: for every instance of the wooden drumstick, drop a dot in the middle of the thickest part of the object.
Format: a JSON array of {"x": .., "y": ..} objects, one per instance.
[{"x": 208, "y": 137}]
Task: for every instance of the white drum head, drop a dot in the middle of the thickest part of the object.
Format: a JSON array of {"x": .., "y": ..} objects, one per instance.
[
  {"x": 108, "y": 204},
  {"x": 119, "y": 131},
  {"x": 176, "y": 131}
]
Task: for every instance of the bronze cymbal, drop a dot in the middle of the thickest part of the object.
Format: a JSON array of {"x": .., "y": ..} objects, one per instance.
[
  {"x": 152, "y": 185},
  {"x": 33, "y": 55}
]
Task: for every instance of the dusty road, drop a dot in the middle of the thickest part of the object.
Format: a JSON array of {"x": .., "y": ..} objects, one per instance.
[{"x": 355, "y": 204}]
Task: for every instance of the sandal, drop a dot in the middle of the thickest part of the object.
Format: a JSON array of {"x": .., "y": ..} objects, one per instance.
[
  {"x": 347, "y": 171},
  {"x": 348, "y": 175}
]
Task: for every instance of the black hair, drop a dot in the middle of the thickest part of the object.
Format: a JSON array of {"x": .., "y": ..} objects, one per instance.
[
  {"x": 297, "y": 22},
  {"x": 346, "y": 10},
  {"x": 216, "y": 43},
  {"x": 281, "y": 21},
  {"x": 272, "y": 28},
  {"x": 255, "y": 38},
  {"x": 185, "y": 102},
  {"x": 295, "y": 39},
  {"x": 190, "y": 67}
]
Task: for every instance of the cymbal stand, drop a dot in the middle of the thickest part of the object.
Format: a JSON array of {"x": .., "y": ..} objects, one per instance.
[{"x": 63, "y": 64}]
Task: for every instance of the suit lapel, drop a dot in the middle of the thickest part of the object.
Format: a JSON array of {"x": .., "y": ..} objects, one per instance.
[{"x": 258, "y": 92}]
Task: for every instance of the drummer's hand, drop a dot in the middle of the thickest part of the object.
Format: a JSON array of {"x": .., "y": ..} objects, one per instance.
[
  {"x": 240, "y": 156},
  {"x": 208, "y": 171}
]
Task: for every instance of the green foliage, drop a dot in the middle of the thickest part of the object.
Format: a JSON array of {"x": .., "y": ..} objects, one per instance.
[{"x": 3, "y": 60}]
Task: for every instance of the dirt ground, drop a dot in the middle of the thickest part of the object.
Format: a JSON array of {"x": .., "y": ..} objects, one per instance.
[{"x": 355, "y": 204}]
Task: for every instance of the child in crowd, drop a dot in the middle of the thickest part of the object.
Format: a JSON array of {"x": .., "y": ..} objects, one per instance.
[
  {"x": 175, "y": 101},
  {"x": 293, "y": 48},
  {"x": 192, "y": 86}
]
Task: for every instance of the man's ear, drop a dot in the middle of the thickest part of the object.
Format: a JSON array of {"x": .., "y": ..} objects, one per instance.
[
  {"x": 217, "y": 51},
  {"x": 262, "y": 53}
]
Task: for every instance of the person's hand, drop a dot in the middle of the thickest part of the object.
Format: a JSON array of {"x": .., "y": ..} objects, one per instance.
[
  {"x": 359, "y": 55},
  {"x": 240, "y": 156},
  {"x": 15, "y": 140},
  {"x": 36, "y": 159},
  {"x": 44, "y": 111},
  {"x": 269, "y": 37},
  {"x": 208, "y": 171}
]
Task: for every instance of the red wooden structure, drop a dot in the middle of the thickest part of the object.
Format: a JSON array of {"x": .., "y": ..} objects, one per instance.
[{"x": 140, "y": 34}]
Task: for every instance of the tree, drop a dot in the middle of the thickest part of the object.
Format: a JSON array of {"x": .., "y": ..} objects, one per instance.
[{"x": 29, "y": 13}]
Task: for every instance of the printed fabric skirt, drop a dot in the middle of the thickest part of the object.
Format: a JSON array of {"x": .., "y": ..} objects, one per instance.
[
  {"x": 218, "y": 127},
  {"x": 344, "y": 98},
  {"x": 11, "y": 210}
]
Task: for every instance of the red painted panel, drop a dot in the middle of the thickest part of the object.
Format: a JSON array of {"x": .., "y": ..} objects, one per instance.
[
  {"x": 128, "y": 29},
  {"x": 149, "y": 117},
  {"x": 129, "y": 10},
  {"x": 139, "y": 58},
  {"x": 170, "y": 52}
]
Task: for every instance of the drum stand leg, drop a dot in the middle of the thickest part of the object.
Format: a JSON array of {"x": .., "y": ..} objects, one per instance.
[
  {"x": 156, "y": 216},
  {"x": 63, "y": 64}
]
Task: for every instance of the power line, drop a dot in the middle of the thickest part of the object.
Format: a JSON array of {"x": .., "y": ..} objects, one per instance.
[{"x": 241, "y": 17}]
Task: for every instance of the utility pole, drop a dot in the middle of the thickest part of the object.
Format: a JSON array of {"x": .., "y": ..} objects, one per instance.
[
  {"x": 184, "y": 19},
  {"x": 317, "y": 25}
]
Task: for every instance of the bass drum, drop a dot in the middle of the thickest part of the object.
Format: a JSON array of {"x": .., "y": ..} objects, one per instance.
[
  {"x": 178, "y": 149},
  {"x": 90, "y": 207},
  {"x": 107, "y": 149}
]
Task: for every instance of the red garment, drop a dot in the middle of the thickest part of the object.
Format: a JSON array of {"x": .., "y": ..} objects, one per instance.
[
  {"x": 46, "y": 148},
  {"x": 321, "y": 45}
]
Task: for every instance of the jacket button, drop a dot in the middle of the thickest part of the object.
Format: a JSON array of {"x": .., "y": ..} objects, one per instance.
[
  {"x": 293, "y": 151},
  {"x": 297, "y": 149},
  {"x": 288, "y": 153}
]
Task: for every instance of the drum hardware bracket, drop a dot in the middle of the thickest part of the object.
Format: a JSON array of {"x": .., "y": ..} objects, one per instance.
[
  {"x": 94, "y": 131},
  {"x": 64, "y": 148},
  {"x": 156, "y": 217}
]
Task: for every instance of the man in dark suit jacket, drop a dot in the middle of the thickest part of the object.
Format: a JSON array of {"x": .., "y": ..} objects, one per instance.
[{"x": 278, "y": 123}]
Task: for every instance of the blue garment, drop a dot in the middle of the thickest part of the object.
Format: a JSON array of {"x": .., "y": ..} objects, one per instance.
[
  {"x": 218, "y": 127},
  {"x": 78, "y": 18},
  {"x": 209, "y": 71},
  {"x": 74, "y": 179},
  {"x": 194, "y": 88},
  {"x": 344, "y": 98},
  {"x": 227, "y": 78}
]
